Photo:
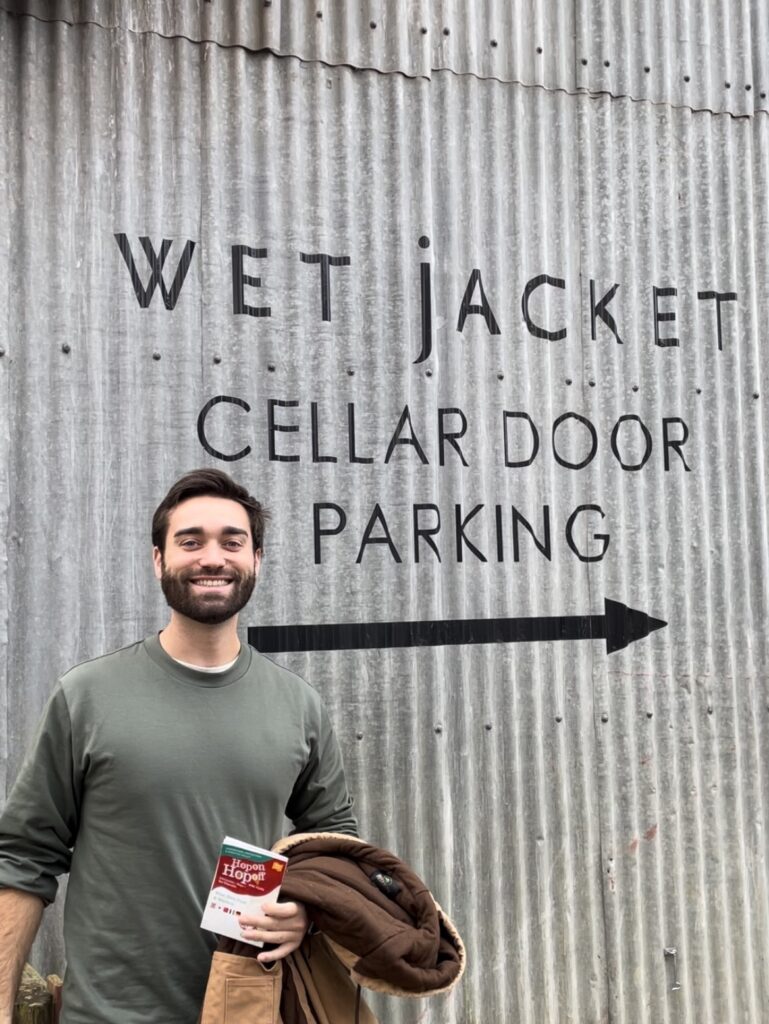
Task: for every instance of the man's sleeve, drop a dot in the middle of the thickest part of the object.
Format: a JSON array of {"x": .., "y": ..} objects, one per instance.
[
  {"x": 319, "y": 801},
  {"x": 39, "y": 822}
]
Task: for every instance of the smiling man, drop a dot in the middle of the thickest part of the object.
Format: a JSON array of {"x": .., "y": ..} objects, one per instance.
[{"x": 144, "y": 760}]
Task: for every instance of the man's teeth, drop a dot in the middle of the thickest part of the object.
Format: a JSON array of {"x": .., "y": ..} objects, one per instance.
[{"x": 211, "y": 583}]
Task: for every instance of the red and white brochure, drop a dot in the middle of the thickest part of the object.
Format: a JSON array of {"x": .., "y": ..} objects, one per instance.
[{"x": 246, "y": 876}]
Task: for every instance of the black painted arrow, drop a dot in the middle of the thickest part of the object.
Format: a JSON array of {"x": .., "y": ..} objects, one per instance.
[{"x": 619, "y": 626}]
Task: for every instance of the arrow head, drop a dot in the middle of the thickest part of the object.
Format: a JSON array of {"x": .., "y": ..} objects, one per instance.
[{"x": 624, "y": 625}]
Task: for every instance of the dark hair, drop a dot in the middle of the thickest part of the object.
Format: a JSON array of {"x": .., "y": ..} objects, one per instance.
[{"x": 218, "y": 484}]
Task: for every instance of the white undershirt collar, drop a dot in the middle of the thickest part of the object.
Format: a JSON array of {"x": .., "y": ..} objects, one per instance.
[{"x": 208, "y": 668}]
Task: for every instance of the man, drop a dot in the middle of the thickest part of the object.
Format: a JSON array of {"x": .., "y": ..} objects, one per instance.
[{"x": 144, "y": 760}]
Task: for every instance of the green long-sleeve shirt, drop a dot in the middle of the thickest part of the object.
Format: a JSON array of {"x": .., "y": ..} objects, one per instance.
[{"x": 139, "y": 769}]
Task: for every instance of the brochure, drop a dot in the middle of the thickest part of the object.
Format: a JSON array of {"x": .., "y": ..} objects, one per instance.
[{"x": 246, "y": 876}]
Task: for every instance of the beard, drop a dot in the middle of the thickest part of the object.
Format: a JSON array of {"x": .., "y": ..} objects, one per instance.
[{"x": 207, "y": 606}]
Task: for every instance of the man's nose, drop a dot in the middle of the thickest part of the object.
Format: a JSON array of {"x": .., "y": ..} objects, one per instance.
[{"x": 212, "y": 555}]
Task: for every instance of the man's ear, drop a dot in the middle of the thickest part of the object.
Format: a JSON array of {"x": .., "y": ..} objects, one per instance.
[
  {"x": 157, "y": 562},
  {"x": 257, "y": 561}
]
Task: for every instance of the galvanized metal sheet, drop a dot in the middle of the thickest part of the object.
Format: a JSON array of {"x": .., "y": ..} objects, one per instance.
[
  {"x": 522, "y": 41},
  {"x": 705, "y": 56},
  {"x": 5, "y": 326},
  {"x": 577, "y": 811},
  {"x": 713, "y": 58},
  {"x": 513, "y": 42},
  {"x": 679, "y": 746}
]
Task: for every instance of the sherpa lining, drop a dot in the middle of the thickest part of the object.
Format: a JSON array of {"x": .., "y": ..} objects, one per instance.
[{"x": 289, "y": 842}]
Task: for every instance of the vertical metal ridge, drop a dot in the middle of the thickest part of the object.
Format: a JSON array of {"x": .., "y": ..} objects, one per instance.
[
  {"x": 582, "y": 370},
  {"x": 721, "y": 711},
  {"x": 6, "y": 538},
  {"x": 673, "y": 185},
  {"x": 694, "y": 954},
  {"x": 742, "y": 700}
]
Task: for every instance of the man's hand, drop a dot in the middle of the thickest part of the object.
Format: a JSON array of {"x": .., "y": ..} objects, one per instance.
[{"x": 281, "y": 924}]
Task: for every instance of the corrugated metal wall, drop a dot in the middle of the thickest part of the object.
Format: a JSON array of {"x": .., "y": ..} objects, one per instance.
[{"x": 578, "y": 812}]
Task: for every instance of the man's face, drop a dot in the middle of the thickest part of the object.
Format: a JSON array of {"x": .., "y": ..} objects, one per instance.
[{"x": 209, "y": 567}]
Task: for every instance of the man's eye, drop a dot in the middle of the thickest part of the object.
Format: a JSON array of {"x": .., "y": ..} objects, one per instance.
[{"x": 189, "y": 543}]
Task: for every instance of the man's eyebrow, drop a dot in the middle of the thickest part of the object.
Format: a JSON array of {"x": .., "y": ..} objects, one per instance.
[{"x": 198, "y": 531}]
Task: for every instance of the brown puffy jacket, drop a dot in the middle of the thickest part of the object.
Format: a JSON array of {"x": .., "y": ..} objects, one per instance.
[{"x": 379, "y": 927}]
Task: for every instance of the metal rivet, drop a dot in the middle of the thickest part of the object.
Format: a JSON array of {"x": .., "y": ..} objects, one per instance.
[
  {"x": 319, "y": 14},
  {"x": 584, "y": 62},
  {"x": 559, "y": 718},
  {"x": 710, "y": 709},
  {"x": 635, "y": 387},
  {"x": 66, "y": 349},
  {"x": 539, "y": 49},
  {"x": 271, "y": 367},
  {"x": 372, "y": 24},
  {"x": 649, "y": 714},
  {"x": 727, "y": 85},
  {"x": 698, "y": 390},
  {"x": 447, "y": 31},
  {"x": 350, "y": 371},
  {"x": 604, "y": 717},
  {"x": 591, "y": 383},
  {"x": 763, "y": 95},
  {"x": 439, "y": 729},
  {"x": 428, "y": 373},
  {"x": 607, "y": 63},
  {"x": 756, "y": 394},
  {"x": 423, "y": 30},
  {"x": 424, "y": 242},
  {"x": 217, "y": 359},
  {"x": 2, "y": 352},
  {"x": 748, "y": 88},
  {"x": 568, "y": 382},
  {"x": 647, "y": 69},
  {"x": 156, "y": 356},
  {"x": 487, "y": 727},
  {"x": 494, "y": 42},
  {"x": 500, "y": 376},
  {"x": 358, "y": 735}
]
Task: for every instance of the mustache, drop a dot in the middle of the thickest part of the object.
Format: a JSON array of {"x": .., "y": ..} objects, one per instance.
[
  {"x": 213, "y": 573},
  {"x": 191, "y": 574}
]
